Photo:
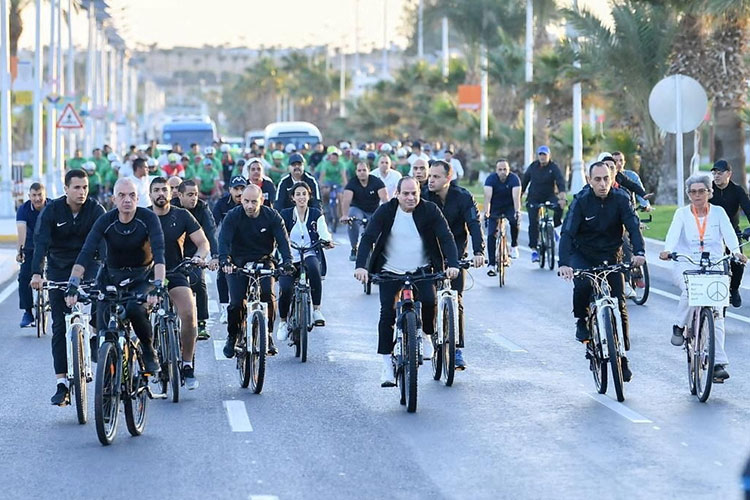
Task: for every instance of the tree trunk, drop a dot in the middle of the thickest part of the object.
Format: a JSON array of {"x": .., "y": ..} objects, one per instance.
[
  {"x": 729, "y": 142},
  {"x": 668, "y": 184},
  {"x": 16, "y": 27}
]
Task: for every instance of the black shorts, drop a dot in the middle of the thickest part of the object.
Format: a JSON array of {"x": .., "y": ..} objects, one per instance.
[{"x": 177, "y": 279}]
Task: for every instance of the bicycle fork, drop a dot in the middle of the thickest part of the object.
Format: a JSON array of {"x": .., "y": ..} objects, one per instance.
[
  {"x": 445, "y": 295},
  {"x": 603, "y": 307}
]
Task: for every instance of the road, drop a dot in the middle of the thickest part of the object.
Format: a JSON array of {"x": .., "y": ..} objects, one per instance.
[{"x": 523, "y": 421}]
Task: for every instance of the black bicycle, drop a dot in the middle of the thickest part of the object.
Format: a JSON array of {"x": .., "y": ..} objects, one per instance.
[
  {"x": 407, "y": 351},
  {"x": 367, "y": 286},
  {"x": 120, "y": 373},
  {"x": 605, "y": 324},
  {"x": 638, "y": 278},
  {"x": 300, "y": 311},
  {"x": 546, "y": 240},
  {"x": 251, "y": 348},
  {"x": 41, "y": 309}
]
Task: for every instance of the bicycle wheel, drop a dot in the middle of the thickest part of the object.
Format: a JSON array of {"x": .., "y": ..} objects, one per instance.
[
  {"x": 597, "y": 364},
  {"x": 704, "y": 354},
  {"x": 689, "y": 349},
  {"x": 613, "y": 341},
  {"x": 244, "y": 359},
  {"x": 40, "y": 310},
  {"x": 259, "y": 343},
  {"x": 293, "y": 326},
  {"x": 542, "y": 246},
  {"x": 502, "y": 258},
  {"x": 174, "y": 355},
  {"x": 107, "y": 393},
  {"x": 412, "y": 361},
  {"x": 449, "y": 343},
  {"x": 79, "y": 388},
  {"x": 136, "y": 402},
  {"x": 162, "y": 343},
  {"x": 437, "y": 358},
  {"x": 550, "y": 243},
  {"x": 304, "y": 320},
  {"x": 640, "y": 274}
]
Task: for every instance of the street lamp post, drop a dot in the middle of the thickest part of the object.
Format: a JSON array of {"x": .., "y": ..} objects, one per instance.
[
  {"x": 55, "y": 89},
  {"x": 6, "y": 151},
  {"x": 528, "y": 143},
  {"x": 578, "y": 178},
  {"x": 37, "y": 109}
]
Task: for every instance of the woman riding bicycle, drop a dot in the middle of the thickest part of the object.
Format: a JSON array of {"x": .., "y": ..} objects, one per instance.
[
  {"x": 306, "y": 226},
  {"x": 697, "y": 228}
]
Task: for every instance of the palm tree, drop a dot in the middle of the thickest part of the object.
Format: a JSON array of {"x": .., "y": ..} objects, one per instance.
[{"x": 16, "y": 24}]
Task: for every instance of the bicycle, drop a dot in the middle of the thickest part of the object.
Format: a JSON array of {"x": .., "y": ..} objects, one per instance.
[
  {"x": 445, "y": 339},
  {"x": 41, "y": 308},
  {"x": 605, "y": 324},
  {"x": 546, "y": 242},
  {"x": 699, "y": 334},
  {"x": 332, "y": 207},
  {"x": 77, "y": 346},
  {"x": 119, "y": 370},
  {"x": 407, "y": 350},
  {"x": 300, "y": 311},
  {"x": 366, "y": 286},
  {"x": 638, "y": 278},
  {"x": 502, "y": 255},
  {"x": 251, "y": 348}
]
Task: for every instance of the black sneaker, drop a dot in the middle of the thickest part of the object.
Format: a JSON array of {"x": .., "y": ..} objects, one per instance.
[
  {"x": 626, "y": 373},
  {"x": 150, "y": 361},
  {"x": 735, "y": 298},
  {"x": 188, "y": 375},
  {"x": 94, "y": 344},
  {"x": 582, "y": 331},
  {"x": 720, "y": 374},
  {"x": 272, "y": 351},
  {"x": 229, "y": 347},
  {"x": 677, "y": 338},
  {"x": 202, "y": 332},
  {"x": 62, "y": 396},
  {"x": 353, "y": 255}
]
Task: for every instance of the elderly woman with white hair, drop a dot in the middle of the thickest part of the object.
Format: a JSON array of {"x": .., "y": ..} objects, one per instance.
[{"x": 697, "y": 228}]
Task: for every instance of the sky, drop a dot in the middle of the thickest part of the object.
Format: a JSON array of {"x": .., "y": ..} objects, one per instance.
[{"x": 250, "y": 23}]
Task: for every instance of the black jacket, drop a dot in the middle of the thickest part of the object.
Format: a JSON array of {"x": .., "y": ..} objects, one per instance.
[
  {"x": 593, "y": 227},
  {"x": 203, "y": 215},
  {"x": 222, "y": 207},
  {"x": 431, "y": 225},
  {"x": 543, "y": 180},
  {"x": 60, "y": 236},
  {"x": 245, "y": 239},
  {"x": 283, "y": 197},
  {"x": 460, "y": 210},
  {"x": 731, "y": 198}
]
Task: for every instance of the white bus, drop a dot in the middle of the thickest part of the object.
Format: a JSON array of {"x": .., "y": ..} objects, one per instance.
[{"x": 297, "y": 133}]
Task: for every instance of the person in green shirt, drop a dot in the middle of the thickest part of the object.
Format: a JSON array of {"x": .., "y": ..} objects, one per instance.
[
  {"x": 208, "y": 178},
  {"x": 278, "y": 167},
  {"x": 401, "y": 164},
  {"x": 77, "y": 161},
  {"x": 332, "y": 171},
  {"x": 95, "y": 181}
]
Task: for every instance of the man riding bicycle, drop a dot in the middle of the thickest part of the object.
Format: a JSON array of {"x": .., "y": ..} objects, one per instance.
[
  {"x": 502, "y": 196},
  {"x": 251, "y": 233},
  {"x": 591, "y": 236},
  {"x": 460, "y": 210},
  {"x": 178, "y": 226},
  {"x": 362, "y": 196},
  {"x": 296, "y": 174},
  {"x": 135, "y": 252},
  {"x": 407, "y": 234}
]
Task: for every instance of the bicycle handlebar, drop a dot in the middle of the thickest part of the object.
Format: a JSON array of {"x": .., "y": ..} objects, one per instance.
[
  {"x": 605, "y": 268},
  {"x": 352, "y": 220},
  {"x": 186, "y": 264}
]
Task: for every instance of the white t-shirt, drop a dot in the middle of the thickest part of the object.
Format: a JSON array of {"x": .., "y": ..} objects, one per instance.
[
  {"x": 142, "y": 186},
  {"x": 413, "y": 157},
  {"x": 404, "y": 251},
  {"x": 390, "y": 180},
  {"x": 457, "y": 167},
  {"x": 300, "y": 236}
]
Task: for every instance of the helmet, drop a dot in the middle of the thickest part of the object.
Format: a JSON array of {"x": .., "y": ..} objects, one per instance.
[
  {"x": 116, "y": 165},
  {"x": 386, "y": 148},
  {"x": 371, "y": 155},
  {"x": 208, "y": 161},
  {"x": 172, "y": 157},
  {"x": 113, "y": 157},
  {"x": 331, "y": 149},
  {"x": 401, "y": 153},
  {"x": 362, "y": 154},
  {"x": 334, "y": 151},
  {"x": 396, "y": 144},
  {"x": 209, "y": 150},
  {"x": 89, "y": 166},
  {"x": 277, "y": 155},
  {"x": 290, "y": 148},
  {"x": 224, "y": 148},
  {"x": 345, "y": 145}
]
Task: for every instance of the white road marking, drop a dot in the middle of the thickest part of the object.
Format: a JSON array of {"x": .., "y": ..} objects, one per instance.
[
  {"x": 219, "y": 350},
  {"x": 352, "y": 356},
  {"x": 683, "y": 443},
  {"x": 505, "y": 343},
  {"x": 8, "y": 291},
  {"x": 262, "y": 497},
  {"x": 619, "y": 408},
  {"x": 673, "y": 296},
  {"x": 213, "y": 306},
  {"x": 238, "y": 419}
]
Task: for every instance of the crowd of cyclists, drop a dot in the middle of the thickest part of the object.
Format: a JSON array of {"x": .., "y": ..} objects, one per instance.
[{"x": 130, "y": 221}]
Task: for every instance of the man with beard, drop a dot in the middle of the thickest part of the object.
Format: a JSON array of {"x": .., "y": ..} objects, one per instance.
[{"x": 296, "y": 174}]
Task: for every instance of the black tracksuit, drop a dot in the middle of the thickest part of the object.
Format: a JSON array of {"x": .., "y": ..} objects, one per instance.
[
  {"x": 541, "y": 182},
  {"x": 731, "y": 199}
]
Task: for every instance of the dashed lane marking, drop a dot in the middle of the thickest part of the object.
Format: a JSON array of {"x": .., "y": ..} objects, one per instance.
[
  {"x": 219, "y": 350},
  {"x": 352, "y": 356},
  {"x": 619, "y": 408},
  {"x": 238, "y": 419},
  {"x": 8, "y": 291}
]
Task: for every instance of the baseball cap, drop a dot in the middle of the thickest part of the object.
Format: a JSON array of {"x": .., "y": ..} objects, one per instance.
[
  {"x": 296, "y": 158},
  {"x": 721, "y": 166},
  {"x": 237, "y": 180},
  {"x": 542, "y": 149}
]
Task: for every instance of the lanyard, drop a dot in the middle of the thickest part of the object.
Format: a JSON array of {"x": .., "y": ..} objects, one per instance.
[{"x": 701, "y": 227}]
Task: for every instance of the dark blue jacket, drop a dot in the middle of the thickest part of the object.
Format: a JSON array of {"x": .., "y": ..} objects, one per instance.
[{"x": 312, "y": 227}]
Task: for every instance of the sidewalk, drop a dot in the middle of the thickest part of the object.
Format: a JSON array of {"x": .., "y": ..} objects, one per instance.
[{"x": 8, "y": 230}]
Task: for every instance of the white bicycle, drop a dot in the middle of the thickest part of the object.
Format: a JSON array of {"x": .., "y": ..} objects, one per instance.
[{"x": 445, "y": 338}]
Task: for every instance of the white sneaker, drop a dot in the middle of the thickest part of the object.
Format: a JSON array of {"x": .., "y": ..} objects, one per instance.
[
  {"x": 426, "y": 347},
  {"x": 387, "y": 378},
  {"x": 318, "y": 319},
  {"x": 629, "y": 292},
  {"x": 513, "y": 252},
  {"x": 224, "y": 317},
  {"x": 281, "y": 331}
]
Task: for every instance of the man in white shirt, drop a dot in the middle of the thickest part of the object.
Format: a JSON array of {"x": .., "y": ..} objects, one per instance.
[
  {"x": 385, "y": 173},
  {"x": 455, "y": 164},
  {"x": 416, "y": 152},
  {"x": 142, "y": 182}
]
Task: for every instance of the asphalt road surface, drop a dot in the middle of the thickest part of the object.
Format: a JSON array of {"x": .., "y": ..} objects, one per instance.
[{"x": 523, "y": 421}]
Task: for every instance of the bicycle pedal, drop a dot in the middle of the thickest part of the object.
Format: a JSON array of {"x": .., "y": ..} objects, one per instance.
[{"x": 718, "y": 380}]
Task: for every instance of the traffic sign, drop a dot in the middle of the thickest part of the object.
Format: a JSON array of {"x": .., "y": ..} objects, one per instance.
[{"x": 69, "y": 118}]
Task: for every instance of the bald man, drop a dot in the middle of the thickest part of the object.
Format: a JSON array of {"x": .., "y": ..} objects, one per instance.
[{"x": 250, "y": 233}]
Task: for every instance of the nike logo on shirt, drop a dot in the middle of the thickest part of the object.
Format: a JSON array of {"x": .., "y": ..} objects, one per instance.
[
  {"x": 592, "y": 217},
  {"x": 61, "y": 223}
]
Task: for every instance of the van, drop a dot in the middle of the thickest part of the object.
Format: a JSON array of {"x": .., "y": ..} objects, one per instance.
[
  {"x": 254, "y": 136},
  {"x": 297, "y": 133},
  {"x": 189, "y": 131}
]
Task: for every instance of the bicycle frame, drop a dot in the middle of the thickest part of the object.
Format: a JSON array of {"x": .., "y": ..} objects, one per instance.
[
  {"x": 601, "y": 303},
  {"x": 407, "y": 303},
  {"x": 445, "y": 294},
  {"x": 77, "y": 317}
]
